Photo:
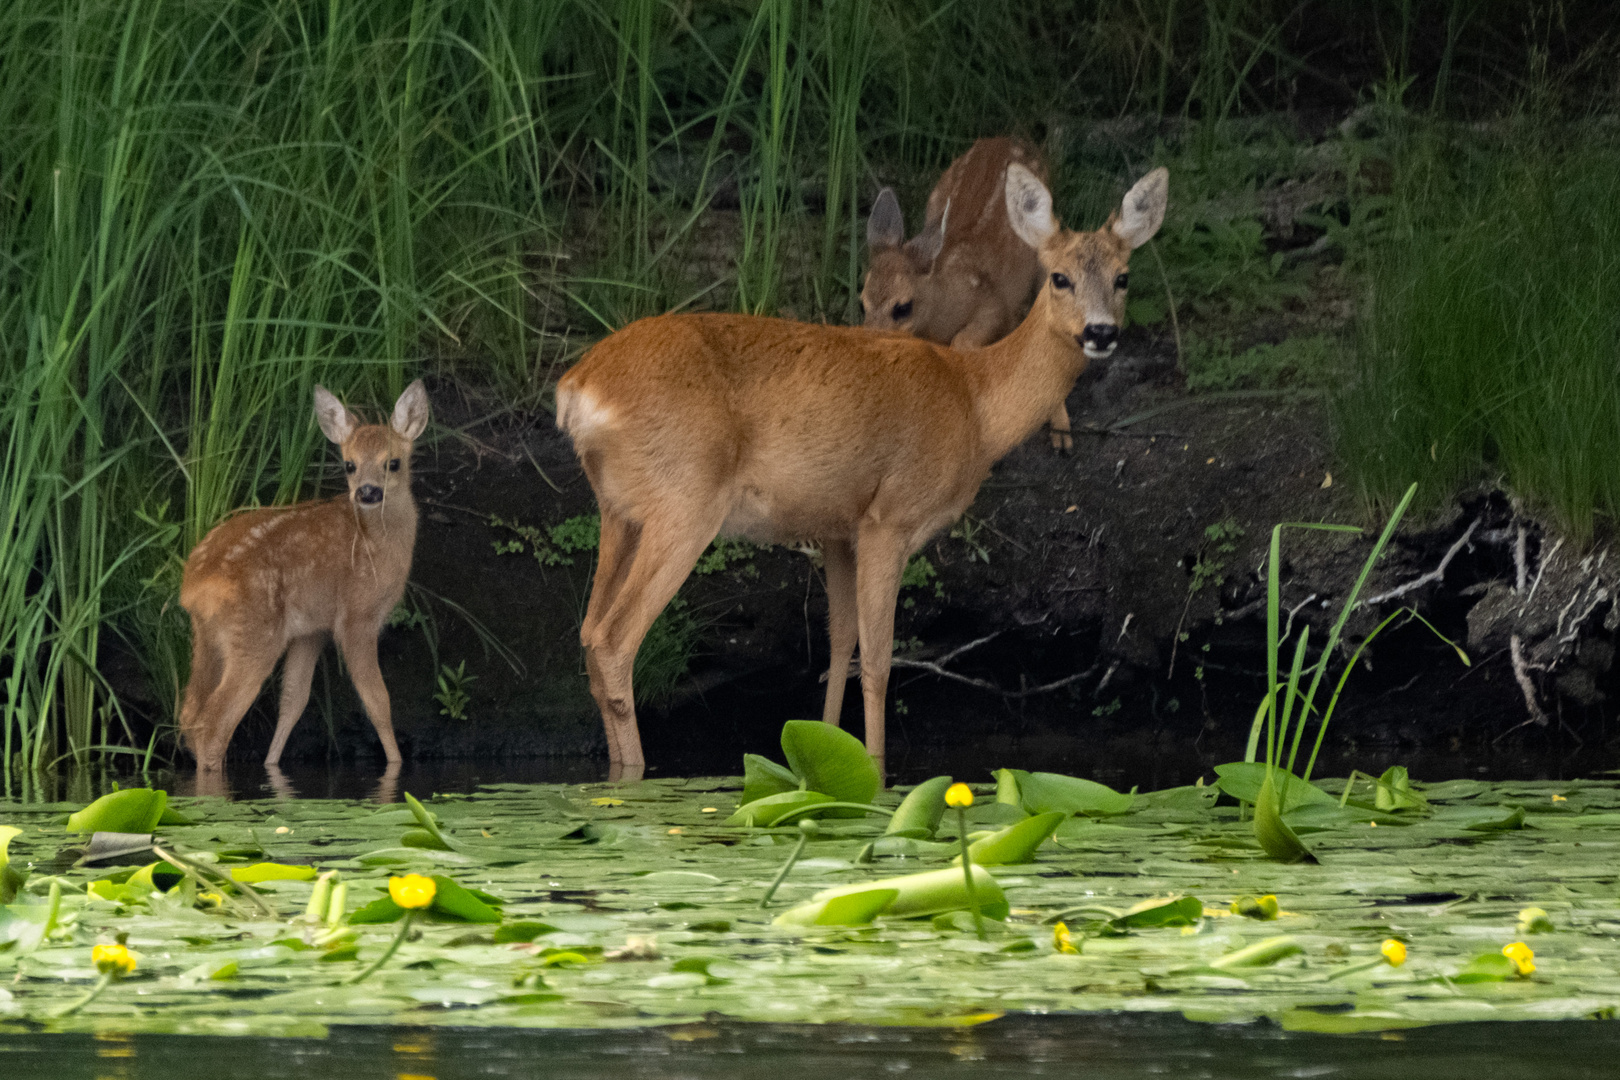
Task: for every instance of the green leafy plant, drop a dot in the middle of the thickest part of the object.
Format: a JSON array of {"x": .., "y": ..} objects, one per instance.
[{"x": 452, "y": 692}]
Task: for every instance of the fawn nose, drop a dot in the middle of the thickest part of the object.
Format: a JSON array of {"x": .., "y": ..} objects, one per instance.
[
  {"x": 369, "y": 494},
  {"x": 1099, "y": 336}
]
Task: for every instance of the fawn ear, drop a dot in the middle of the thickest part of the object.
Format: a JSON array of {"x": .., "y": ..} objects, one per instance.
[
  {"x": 337, "y": 423},
  {"x": 925, "y": 247},
  {"x": 886, "y": 228},
  {"x": 1142, "y": 212},
  {"x": 411, "y": 412},
  {"x": 1029, "y": 207}
]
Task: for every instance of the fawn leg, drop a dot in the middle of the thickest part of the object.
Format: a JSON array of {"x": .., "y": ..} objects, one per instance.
[
  {"x": 838, "y": 560},
  {"x": 239, "y": 684},
  {"x": 1062, "y": 439},
  {"x": 664, "y": 557},
  {"x": 614, "y": 554},
  {"x": 359, "y": 647},
  {"x": 297, "y": 670},
  {"x": 880, "y": 558}
]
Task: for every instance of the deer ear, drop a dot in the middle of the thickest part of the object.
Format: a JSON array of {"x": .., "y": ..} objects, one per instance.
[
  {"x": 925, "y": 247},
  {"x": 887, "y": 226},
  {"x": 411, "y": 412},
  {"x": 1029, "y": 207},
  {"x": 337, "y": 423},
  {"x": 1142, "y": 212}
]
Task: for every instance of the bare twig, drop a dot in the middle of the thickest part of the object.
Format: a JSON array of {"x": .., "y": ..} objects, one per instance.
[
  {"x": 1425, "y": 579},
  {"x": 1521, "y": 673}
]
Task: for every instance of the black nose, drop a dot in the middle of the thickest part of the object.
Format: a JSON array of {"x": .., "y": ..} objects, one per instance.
[
  {"x": 1100, "y": 335},
  {"x": 370, "y": 494}
]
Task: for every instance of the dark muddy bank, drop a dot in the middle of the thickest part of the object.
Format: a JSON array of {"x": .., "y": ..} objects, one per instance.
[{"x": 1129, "y": 572}]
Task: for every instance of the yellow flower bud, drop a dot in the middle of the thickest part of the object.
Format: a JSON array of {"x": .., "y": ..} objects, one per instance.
[
  {"x": 959, "y": 795},
  {"x": 114, "y": 960},
  {"x": 413, "y": 891},
  {"x": 1533, "y": 920},
  {"x": 1522, "y": 956},
  {"x": 1263, "y": 908},
  {"x": 1394, "y": 951},
  {"x": 1063, "y": 941}
]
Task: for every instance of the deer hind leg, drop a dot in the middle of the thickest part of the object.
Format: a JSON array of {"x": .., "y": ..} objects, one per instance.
[
  {"x": 297, "y": 670},
  {"x": 614, "y": 555},
  {"x": 664, "y": 557},
  {"x": 207, "y": 666},
  {"x": 838, "y": 559},
  {"x": 240, "y": 682},
  {"x": 359, "y": 647},
  {"x": 880, "y": 557}
]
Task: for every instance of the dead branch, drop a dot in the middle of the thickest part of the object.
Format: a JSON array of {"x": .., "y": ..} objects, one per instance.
[{"x": 1425, "y": 579}]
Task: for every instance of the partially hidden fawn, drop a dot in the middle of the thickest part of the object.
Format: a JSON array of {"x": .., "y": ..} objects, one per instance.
[
  {"x": 865, "y": 444},
  {"x": 966, "y": 279},
  {"x": 280, "y": 580}
]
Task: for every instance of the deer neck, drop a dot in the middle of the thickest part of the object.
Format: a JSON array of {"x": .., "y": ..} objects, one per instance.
[
  {"x": 392, "y": 526},
  {"x": 1021, "y": 378}
]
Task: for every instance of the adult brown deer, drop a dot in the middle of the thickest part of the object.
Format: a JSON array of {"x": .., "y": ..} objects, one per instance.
[
  {"x": 279, "y": 580},
  {"x": 864, "y": 443},
  {"x": 966, "y": 279}
]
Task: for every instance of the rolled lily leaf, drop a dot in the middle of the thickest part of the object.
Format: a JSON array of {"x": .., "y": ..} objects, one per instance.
[
  {"x": 830, "y": 760},
  {"x": 1015, "y": 843},
  {"x": 433, "y": 839},
  {"x": 1395, "y": 792},
  {"x": 849, "y": 909},
  {"x": 916, "y": 894},
  {"x": 1261, "y": 953},
  {"x": 1242, "y": 780},
  {"x": 269, "y": 871},
  {"x": 133, "y": 810},
  {"x": 11, "y": 879},
  {"x": 1276, "y": 838},
  {"x": 762, "y": 777},
  {"x": 1007, "y": 788},
  {"x": 1170, "y": 911},
  {"x": 920, "y": 811},
  {"x": 765, "y": 812},
  {"x": 1043, "y": 792}
]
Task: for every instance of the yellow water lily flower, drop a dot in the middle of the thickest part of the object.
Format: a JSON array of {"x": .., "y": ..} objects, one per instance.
[
  {"x": 1263, "y": 908},
  {"x": 413, "y": 891},
  {"x": 1064, "y": 941},
  {"x": 959, "y": 795},
  {"x": 1523, "y": 957},
  {"x": 1394, "y": 951},
  {"x": 114, "y": 960}
]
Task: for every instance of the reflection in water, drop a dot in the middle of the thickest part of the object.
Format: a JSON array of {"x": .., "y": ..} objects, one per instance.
[
  {"x": 387, "y": 789},
  {"x": 279, "y": 784}
]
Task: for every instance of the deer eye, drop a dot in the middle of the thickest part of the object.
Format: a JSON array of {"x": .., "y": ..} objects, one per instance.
[
  {"x": 1061, "y": 281},
  {"x": 1122, "y": 282},
  {"x": 393, "y": 464},
  {"x": 902, "y": 311},
  {"x": 348, "y": 467}
]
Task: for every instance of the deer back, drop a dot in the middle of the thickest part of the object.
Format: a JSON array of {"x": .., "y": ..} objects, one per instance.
[{"x": 967, "y": 269}]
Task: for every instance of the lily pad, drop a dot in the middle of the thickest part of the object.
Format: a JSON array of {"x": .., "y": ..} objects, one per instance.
[
  {"x": 1042, "y": 792},
  {"x": 832, "y": 761},
  {"x": 133, "y": 810}
]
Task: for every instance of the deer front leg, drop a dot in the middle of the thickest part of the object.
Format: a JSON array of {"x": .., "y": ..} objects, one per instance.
[
  {"x": 297, "y": 671},
  {"x": 838, "y": 560},
  {"x": 1058, "y": 422},
  {"x": 359, "y": 647},
  {"x": 880, "y": 557}
]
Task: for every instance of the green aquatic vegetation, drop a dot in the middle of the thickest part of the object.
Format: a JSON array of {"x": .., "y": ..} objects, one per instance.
[{"x": 605, "y": 906}]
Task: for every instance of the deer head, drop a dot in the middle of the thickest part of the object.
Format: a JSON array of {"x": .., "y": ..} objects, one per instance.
[
  {"x": 1087, "y": 273},
  {"x": 376, "y": 457}
]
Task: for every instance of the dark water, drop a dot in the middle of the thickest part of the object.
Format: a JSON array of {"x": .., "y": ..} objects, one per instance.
[{"x": 1094, "y": 1047}]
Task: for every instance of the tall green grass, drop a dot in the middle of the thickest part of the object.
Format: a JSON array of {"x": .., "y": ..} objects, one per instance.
[{"x": 1490, "y": 342}]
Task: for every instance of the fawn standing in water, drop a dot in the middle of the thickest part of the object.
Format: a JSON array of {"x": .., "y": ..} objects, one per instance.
[{"x": 279, "y": 580}]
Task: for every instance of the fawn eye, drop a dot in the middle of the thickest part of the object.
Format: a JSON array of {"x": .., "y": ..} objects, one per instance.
[
  {"x": 393, "y": 464},
  {"x": 348, "y": 467},
  {"x": 1061, "y": 281},
  {"x": 902, "y": 311},
  {"x": 1122, "y": 282}
]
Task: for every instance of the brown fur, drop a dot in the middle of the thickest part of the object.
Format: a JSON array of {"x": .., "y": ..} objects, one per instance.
[
  {"x": 976, "y": 290},
  {"x": 279, "y": 580},
  {"x": 865, "y": 443}
]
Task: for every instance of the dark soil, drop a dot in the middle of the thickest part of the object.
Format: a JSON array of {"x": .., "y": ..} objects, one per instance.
[{"x": 1067, "y": 564}]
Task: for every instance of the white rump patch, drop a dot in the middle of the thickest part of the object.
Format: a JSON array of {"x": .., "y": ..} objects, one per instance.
[{"x": 579, "y": 413}]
